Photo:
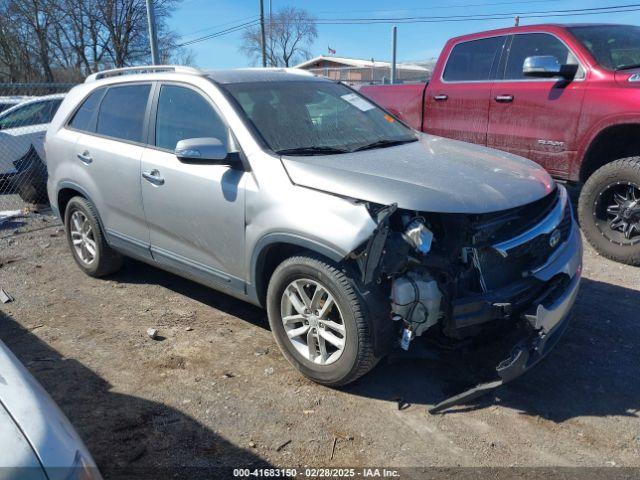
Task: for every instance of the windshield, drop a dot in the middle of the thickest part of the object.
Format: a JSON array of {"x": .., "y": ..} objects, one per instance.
[
  {"x": 614, "y": 47},
  {"x": 316, "y": 118}
]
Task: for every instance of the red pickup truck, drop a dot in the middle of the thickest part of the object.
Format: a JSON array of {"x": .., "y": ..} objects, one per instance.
[{"x": 565, "y": 96}]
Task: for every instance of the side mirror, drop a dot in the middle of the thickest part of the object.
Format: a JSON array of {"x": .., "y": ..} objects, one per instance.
[
  {"x": 204, "y": 150},
  {"x": 548, "y": 66}
]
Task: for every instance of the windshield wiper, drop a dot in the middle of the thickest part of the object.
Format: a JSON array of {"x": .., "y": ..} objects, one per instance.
[
  {"x": 628, "y": 67},
  {"x": 384, "y": 143},
  {"x": 311, "y": 150}
]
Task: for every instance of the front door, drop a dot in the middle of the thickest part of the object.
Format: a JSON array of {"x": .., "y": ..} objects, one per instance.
[
  {"x": 458, "y": 104},
  {"x": 195, "y": 212},
  {"x": 533, "y": 117}
]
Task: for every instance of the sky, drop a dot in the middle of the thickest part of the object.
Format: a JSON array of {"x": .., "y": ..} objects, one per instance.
[{"x": 416, "y": 42}]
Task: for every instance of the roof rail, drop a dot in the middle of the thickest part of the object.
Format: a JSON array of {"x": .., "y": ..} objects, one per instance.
[{"x": 115, "y": 72}]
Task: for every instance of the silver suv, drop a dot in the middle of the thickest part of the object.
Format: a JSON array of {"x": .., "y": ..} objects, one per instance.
[{"x": 296, "y": 193}]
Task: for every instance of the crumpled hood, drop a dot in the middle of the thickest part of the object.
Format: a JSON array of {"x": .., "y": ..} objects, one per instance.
[{"x": 434, "y": 175}]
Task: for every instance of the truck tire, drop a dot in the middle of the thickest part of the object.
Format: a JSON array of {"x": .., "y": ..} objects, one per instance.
[
  {"x": 609, "y": 210},
  {"x": 317, "y": 318},
  {"x": 86, "y": 240}
]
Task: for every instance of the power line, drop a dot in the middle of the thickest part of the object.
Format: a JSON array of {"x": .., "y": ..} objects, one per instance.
[
  {"x": 221, "y": 32},
  {"x": 431, "y": 18},
  {"x": 434, "y": 7},
  {"x": 208, "y": 29}
]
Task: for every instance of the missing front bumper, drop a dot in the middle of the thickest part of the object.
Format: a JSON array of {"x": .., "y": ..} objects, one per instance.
[{"x": 548, "y": 319}]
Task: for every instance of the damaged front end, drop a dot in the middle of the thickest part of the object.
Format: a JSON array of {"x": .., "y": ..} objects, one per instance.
[{"x": 452, "y": 277}]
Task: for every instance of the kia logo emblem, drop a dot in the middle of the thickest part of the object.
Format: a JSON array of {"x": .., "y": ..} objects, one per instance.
[{"x": 554, "y": 239}]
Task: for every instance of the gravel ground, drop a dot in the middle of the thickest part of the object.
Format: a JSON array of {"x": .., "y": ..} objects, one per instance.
[{"x": 214, "y": 390}]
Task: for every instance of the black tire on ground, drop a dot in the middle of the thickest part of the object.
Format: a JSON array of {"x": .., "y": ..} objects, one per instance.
[
  {"x": 106, "y": 259},
  {"x": 618, "y": 174},
  {"x": 357, "y": 357},
  {"x": 33, "y": 193}
]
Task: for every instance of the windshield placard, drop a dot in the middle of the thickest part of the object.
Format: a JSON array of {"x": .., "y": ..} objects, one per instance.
[{"x": 357, "y": 101}]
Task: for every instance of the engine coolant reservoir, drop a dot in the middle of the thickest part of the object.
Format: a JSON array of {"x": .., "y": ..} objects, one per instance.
[{"x": 416, "y": 298}]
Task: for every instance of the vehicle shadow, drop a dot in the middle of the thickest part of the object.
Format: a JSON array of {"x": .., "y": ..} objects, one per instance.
[
  {"x": 136, "y": 272},
  {"x": 593, "y": 371},
  {"x": 129, "y": 437}
]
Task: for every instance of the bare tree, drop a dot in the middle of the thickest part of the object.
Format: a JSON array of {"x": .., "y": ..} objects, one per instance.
[
  {"x": 67, "y": 39},
  {"x": 289, "y": 36}
]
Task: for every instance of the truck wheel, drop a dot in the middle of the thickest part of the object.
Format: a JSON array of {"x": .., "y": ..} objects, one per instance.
[
  {"x": 86, "y": 240},
  {"x": 317, "y": 317},
  {"x": 609, "y": 210}
]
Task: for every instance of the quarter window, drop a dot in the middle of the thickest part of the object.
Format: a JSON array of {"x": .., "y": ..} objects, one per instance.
[
  {"x": 535, "y": 44},
  {"x": 122, "y": 112},
  {"x": 183, "y": 113},
  {"x": 473, "y": 61},
  {"x": 84, "y": 115}
]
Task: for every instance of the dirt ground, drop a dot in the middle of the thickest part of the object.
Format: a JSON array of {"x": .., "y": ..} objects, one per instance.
[{"x": 215, "y": 390}]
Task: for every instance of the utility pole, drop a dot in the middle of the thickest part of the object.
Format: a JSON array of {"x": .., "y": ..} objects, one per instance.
[
  {"x": 153, "y": 37},
  {"x": 262, "y": 38},
  {"x": 394, "y": 35}
]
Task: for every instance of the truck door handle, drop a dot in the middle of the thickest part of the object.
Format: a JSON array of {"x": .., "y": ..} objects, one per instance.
[
  {"x": 440, "y": 98},
  {"x": 153, "y": 177},
  {"x": 504, "y": 98},
  {"x": 85, "y": 157}
]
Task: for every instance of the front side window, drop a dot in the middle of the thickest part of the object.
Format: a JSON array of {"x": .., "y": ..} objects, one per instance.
[
  {"x": 615, "y": 47},
  {"x": 473, "y": 61},
  {"x": 32, "y": 114},
  {"x": 183, "y": 113},
  {"x": 122, "y": 112},
  {"x": 316, "y": 117},
  {"x": 534, "y": 45}
]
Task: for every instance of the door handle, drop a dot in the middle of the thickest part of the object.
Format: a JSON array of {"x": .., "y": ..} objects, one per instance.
[
  {"x": 440, "y": 98},
  {"x": 153, "y": 177},
  {"x": 504, "y": 98},
  {"x": 85, "y": 157}
]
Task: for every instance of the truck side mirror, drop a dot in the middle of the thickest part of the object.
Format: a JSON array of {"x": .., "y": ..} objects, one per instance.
[{"x": 547, "y": 66}]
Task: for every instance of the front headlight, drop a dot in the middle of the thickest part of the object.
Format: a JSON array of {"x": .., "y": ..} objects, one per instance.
[{"x": 418, "y": 236}]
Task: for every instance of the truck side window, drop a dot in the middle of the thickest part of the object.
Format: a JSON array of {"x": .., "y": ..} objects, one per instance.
[
  {"x": 535, "y": 44},
  {"x": 473, "y": 61},
  {"x": 183, "y": 113}
]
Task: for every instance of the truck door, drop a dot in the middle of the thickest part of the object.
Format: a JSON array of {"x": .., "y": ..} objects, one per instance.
[
  {"x": 537, "y": 117},
  {"x": 457, "y": 99}
]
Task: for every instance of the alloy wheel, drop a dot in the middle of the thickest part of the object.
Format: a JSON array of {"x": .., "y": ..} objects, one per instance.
[
  {"x": 82, "y": 237},
  {"x": 312, "y": 321}
]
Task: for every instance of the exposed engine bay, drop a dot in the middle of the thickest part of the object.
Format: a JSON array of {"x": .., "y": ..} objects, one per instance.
[{"x": 449, "y": 275}]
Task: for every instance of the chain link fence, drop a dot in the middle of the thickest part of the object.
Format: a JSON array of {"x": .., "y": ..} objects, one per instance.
[
  {"x": 26, "y": 109},
  {"x": 374, "y": 75}
]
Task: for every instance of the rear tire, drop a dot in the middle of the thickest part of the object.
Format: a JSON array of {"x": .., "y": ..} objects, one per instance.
[
  {"x": 343, "y": 318},
  {"x": 608, "y": 213},
  {"x": 86, "y": 240}
]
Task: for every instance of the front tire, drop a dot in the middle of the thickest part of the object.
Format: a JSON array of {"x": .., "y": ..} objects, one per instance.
[
  {"x": 609, "y": 210},
  {"x": 86, "y": 240},
  {"x": 317, "y": 318}
]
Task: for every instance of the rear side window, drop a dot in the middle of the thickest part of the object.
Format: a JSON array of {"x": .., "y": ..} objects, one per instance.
[
  {"x": 28, "y": 115},
  {"x": 473, "y": 61},
  {"x": 84, "y": 115},
  {"x": 183, "y": 113},
  {"x": 535, "y": 44},
  {"x": 122, "y": 112}
]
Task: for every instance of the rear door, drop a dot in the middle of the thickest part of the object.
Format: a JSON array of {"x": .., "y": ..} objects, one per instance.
[
  {"x": 108, "y": 154},
  {"x": 457, "y": 103},
  {"x": 537, "y": 117},
  {"x": 195, "y": 211}
]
